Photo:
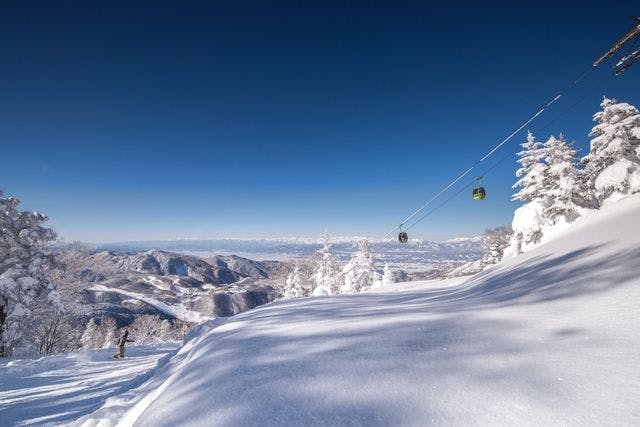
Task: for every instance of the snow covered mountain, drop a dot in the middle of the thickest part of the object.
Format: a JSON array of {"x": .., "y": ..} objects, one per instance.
[
  {"x": 414, "y": 260},
  {"x": 551, "y": 337},
  {"x": 126, "y": 285}
]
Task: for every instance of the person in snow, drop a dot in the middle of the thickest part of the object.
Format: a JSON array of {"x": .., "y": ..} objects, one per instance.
[{"x": 121, "y": 343}]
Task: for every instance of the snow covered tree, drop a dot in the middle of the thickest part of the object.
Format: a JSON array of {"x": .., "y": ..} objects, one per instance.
[
  {"x": 531, "y": 172},
  {"x": 145, "y": 329},
  {"x": 528, "y": 220},
  {"x": 377, "y": 280},
  {"x": 24, "y": 259},
  {"x": 89, "y": 336},
  {"x": 612, "y": 167},
  {"x": 107, "y": 332},
  {"x": 325, "y": 278},
  {"x": 560, "y": 181},
  {"x": 495, "y": 241},
  {"x": 166, "y": 331},
  {"x": 359, "y": 273},
  {"x": 295, "y": 285},
  {"x": 387, "y": 275}
]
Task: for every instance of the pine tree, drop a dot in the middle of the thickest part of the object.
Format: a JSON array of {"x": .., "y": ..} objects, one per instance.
[
  {"x": 24, "y": 259},
  {"x": 613, "y": 163},
  {"x": 359, "y": 273},
  {"x": 531, "y": 172},
  {"x": 560, "y": 180},
  {"x": 325, "y": 277},
  {"x": 528, "y": 220}
]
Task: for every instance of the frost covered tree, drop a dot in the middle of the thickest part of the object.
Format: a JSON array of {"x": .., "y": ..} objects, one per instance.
[
  {"x": 495, "y": 241},
  {"x": 359, "y": 273},
  {"x": 89, "y": 337},
  {"x": 612, "y": 167},
  {"x": 107, "y": 332},
  {"x": 166, "y": 331},
  {"x": 325, "y": 278},
  {"x": 295, "y": 285},
  {"x": 387, "y": 275},
  {"x": 560, "y": 181},
  {"x": 146, "y": 329},
  {"x": 24, "y": 259},
  {"x": 528, "y": 220},
  {"x": 531, "y": 172}
]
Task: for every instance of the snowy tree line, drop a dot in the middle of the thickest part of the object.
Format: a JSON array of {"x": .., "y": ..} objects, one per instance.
[
  {"x": 556, "y": 188},
  {"x": 324, "y": 276},
  {"x": 39, "y": 288},
  {"x": 146, "y": 329}
]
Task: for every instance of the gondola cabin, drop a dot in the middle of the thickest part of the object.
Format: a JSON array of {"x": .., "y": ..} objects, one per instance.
[
  {"x": 403, "y": 237},
  {"x": 479, "y": 193}
]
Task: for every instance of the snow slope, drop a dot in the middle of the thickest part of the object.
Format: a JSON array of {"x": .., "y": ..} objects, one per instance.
[
  {"x": 550, "y": 337},
  {"x": 60, "y": 388},
  {"x": 178, "y": 311}
]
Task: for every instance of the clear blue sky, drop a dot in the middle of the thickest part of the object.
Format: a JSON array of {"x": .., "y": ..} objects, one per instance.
[{"x": 255, "y": 119}]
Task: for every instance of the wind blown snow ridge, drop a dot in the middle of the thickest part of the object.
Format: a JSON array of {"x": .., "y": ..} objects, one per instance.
[{"x": 551, "y": 337}]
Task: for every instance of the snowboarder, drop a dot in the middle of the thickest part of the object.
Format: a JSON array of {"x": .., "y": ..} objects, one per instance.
[{"x": 121, "y": 343}]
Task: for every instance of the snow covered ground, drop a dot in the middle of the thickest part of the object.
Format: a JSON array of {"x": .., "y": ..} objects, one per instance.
[
  {"x": 59, "y": 389},
  {"x": 551, "y": 337}
]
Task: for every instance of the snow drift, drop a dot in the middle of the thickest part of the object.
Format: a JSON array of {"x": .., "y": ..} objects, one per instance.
[{"x": 549, "y": 337}]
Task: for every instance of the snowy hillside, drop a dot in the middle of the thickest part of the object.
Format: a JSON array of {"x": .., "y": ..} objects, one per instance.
[
  {"x": 551, "y": 337},
  {"x": 127, "y": 285}
]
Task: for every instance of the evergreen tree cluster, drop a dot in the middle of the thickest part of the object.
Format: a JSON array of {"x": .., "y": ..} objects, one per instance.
[
  {"x": 556, "y": 188},
  {"x": 326, "y": 278}
]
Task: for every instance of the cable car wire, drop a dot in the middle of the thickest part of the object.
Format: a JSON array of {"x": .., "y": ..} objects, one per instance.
[
  {"x": 495, "y": 148},
  {"x": 487, "y": 171}
]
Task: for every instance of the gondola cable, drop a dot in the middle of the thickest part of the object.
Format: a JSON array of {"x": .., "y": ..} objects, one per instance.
[
  {"x": 630, "y": 35},
  {"x": 487, "y": 171}
]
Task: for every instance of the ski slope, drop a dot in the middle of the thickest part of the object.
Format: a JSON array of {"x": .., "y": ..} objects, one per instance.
[
  {"x": 551, "y": 337},
  {"x": 58, "y": 389}
]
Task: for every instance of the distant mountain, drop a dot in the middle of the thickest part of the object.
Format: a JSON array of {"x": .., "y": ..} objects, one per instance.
[
  {"x": 127, "y": 284},
  {"x": 416, "y": 255}
]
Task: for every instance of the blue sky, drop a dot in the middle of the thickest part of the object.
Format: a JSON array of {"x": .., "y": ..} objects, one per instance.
[{"x": 263, "y": 119}]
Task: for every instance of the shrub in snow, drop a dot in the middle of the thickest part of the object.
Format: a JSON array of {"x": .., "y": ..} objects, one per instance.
[
  {"x": 24, "y": 259},
  {"x": 612, "y": 167},
  {"x": 325, "y": 278},
  {"x": 359, "y": 274}
]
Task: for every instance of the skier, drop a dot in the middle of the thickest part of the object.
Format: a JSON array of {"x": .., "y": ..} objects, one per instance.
[{"x": 121, "y": 343}]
